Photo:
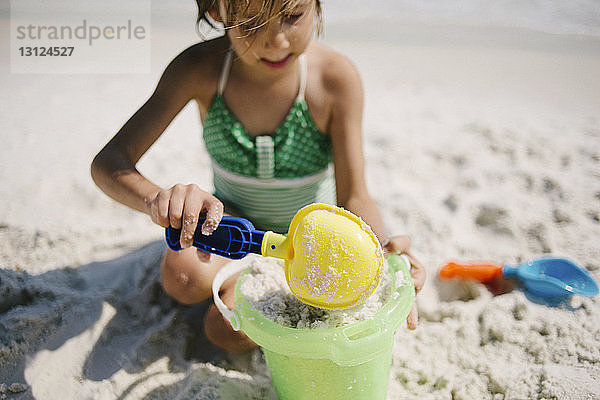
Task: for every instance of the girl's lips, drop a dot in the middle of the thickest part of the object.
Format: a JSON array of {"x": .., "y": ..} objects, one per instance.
[{"x": 277, "y": 64}]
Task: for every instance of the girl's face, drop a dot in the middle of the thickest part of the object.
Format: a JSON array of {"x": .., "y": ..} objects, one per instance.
[{"x": 275, "y": 44}]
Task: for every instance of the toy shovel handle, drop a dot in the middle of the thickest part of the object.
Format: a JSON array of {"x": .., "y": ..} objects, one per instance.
[
  {"x": 233, "y": 238},
  {"x": 478, "y": 272}
]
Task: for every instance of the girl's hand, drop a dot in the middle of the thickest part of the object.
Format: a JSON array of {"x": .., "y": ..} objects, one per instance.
[
  {"x": 180, "y": 207},
  {"x": 401, "y": 245}
]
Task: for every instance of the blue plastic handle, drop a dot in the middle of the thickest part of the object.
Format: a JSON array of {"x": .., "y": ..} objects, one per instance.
[{"x": 234, "y": 238}]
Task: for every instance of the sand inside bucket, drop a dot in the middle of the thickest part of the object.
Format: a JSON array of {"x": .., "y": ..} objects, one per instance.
[{"x": 267, "y": 291}]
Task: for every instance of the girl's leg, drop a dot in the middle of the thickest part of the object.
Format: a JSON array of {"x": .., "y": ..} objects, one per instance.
[
  {"x": 189, "y": 281},
  {"x": 218, "y": 330}
]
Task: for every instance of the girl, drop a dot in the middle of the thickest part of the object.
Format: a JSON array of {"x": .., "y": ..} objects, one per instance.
[{"x": 278, "y": 109}]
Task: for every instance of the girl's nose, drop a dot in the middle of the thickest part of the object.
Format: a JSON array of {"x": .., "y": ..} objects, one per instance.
[{"x": 276, "y": 36}]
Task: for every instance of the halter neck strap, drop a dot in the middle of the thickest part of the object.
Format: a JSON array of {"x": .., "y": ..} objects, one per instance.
[
  {"x": 226, "y": 69},
  {"x": 303, "y": 73}
]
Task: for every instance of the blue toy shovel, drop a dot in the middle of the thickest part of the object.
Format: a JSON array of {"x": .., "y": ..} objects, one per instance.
[
  {"x": 546, "y": 278},
  {"x": 234, "y": 238}
]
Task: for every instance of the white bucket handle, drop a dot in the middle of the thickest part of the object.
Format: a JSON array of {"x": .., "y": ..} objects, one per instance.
[{"x": 225, "y": 273}]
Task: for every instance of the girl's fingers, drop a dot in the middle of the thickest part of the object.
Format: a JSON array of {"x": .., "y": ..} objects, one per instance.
[
  {"x": 190, "y": 221},
  {"x": 176, "y": 204},
  {"x": 413, "y": 317},
  {"x": 196, "y": 202},
  {"x": 191, "y": 211},
  {"x": 397, "y": 244},
  {"x": 417, "y": 272},
  {"x": 401, "y": 245},
  {"x": 180, "y": 207},
  {"x": 154, "y": 212},
  {"x": 214, "y": 213},
  {"x": 160, "y": 209}
]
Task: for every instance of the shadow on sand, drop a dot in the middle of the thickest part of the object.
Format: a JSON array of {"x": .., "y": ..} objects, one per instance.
[{"x": 44, "y": 312}]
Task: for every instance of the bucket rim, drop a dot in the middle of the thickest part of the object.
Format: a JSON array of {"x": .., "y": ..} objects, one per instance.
[{"x": 347, "y": 345}]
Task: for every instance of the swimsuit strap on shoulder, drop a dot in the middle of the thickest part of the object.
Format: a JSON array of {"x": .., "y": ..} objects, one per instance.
[
  {"x": 227, "y": 68},
  {"x": 303, "y": 75},
  {"x": 225, "y": 71}
]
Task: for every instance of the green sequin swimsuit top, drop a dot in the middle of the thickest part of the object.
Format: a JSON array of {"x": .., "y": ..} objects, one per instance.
[{"x": 267, "y": 178}]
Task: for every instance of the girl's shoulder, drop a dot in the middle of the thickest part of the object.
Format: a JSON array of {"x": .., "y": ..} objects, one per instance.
[
  {"x": 337, "y": 78},
  {"x": 204, "y": 54},
  {"x": 332, "y": 65},
  {"x": 197, "y": 68}
]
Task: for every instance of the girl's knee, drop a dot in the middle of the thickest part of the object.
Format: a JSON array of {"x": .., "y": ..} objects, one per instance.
[{"x": 182, "y": 280}]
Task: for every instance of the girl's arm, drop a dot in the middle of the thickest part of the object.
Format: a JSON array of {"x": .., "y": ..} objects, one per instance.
[
  {"x": 114, "y": 171},
  {"x": 345, "y": 129},
  {"x": 113, "y": 168}
]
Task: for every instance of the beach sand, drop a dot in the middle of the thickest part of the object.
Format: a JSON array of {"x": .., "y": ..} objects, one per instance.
[{"x": 481, "y": 144}]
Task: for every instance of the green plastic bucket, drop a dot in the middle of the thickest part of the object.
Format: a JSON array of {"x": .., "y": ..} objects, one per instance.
[{"x": 349, "y": 362}]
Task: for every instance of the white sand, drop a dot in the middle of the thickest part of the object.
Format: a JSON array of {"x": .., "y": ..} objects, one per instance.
[
  {"x": 267, "y": 291},
  {"x": 481, "y": 144}
]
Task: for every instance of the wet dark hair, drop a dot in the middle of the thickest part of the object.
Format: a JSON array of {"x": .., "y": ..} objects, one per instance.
[{"x": 237, "y": 12}]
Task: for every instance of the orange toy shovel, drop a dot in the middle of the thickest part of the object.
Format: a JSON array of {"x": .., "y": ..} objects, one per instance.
[{"x": 478, "y": 272}]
